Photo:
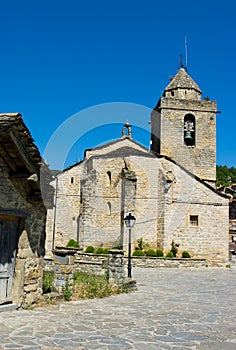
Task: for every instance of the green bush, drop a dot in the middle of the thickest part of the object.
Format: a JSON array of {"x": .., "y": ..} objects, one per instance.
[
  {"x": 140, "y": 243},
  {"x": 99, "y": 250},
  {"x": 90, "y": 249},
  {"x": 159, "y": 253},
  {"x": 48, "y": 277},
  {"x": 185, "y": 254},
  {"x": 67, "y": 292},
  {"x": 151, "y": 252},
  {"x": 138, "y": 252},
  {"x": 72, "y": 244},
  {"x": 174, "y": 249},
  {"x": 170, "y": 255}
]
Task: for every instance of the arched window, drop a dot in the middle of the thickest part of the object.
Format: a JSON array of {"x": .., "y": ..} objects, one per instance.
[
  {"x": 109, "y": 207},
  {"x": 109, "y": 176},
  {"x": 189, "y": 130}
]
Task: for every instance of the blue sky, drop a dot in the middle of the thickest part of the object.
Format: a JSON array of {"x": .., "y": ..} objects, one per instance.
[{"x": 59, "y": 58}]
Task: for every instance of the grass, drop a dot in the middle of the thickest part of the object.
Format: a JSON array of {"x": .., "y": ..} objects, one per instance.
[
  {"x": 48, "y": 281},
  {"x": 88, "y": 286}
]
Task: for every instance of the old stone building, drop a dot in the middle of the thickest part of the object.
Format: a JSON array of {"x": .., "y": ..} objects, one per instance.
[
  {"x": 231, "y": 192},
  {"x": 22, "y": 213},
  {"x": 170, "y": 189}
]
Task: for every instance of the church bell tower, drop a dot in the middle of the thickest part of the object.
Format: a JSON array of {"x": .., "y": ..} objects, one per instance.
[{"x": 183, "y": 127}]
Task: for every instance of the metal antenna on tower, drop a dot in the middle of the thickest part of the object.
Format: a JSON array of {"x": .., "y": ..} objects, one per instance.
[{"x": 186, "y": 53}]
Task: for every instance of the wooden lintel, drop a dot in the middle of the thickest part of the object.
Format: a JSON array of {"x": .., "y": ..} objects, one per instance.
[
  {"x": 22, "y": 153},
  {"x": 23, "y": 176},
  {"x": 14, "y": 212}
]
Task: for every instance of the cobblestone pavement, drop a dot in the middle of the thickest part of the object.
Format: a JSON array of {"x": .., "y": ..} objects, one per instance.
[{"x": 172, "y": 309}]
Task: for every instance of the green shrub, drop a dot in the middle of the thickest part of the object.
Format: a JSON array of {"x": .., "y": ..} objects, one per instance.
[
  {"x": 151, "y": 252},
  {"x": 138, "y": 252},
  {"x": 159, "y": 253},
  {"x": 185, "y": 254},
  {"x": 99, "y": 250},
  {"x": 170, "y": 255},
  {"x": 174, "y": 249},
  {"x": 140, "y": 243},
  {"x": 48, "y": 277},
  {"x": 72, "y": 244},
  {"x": 67, "y": 292},
  {"x": 90, "y": 249}
]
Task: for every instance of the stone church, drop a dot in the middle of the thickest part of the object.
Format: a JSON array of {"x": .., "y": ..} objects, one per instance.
[{"x": 169, "y": 188}]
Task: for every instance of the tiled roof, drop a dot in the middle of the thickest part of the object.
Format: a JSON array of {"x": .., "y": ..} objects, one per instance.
[{"x": 184, "y": 81}]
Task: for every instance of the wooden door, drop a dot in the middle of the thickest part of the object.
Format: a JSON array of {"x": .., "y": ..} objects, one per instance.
[{"x": 8, "y": 246}]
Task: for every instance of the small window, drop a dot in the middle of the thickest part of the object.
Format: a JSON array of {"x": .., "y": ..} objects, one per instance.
[
  {"x": 193, "y": 220},
  {"x": 71, "y": 180},
  {"x": 232, "y": 211},
  {"x": 109, "y": 207},
  {"x": 172, "y": 93},
  {"x": 109, "y": 176}
]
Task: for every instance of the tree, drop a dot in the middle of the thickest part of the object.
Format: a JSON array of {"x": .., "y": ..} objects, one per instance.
[{"x": 225, "y": 176}]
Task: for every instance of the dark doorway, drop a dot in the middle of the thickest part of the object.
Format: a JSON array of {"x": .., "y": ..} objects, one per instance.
[{"x": 8, "y": 245}]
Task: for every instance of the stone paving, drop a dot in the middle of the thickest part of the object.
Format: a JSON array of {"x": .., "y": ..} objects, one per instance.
[{"x": 172, "y": 309}]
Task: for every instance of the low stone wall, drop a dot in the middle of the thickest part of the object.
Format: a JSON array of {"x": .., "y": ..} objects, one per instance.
[
  {"x": 67, "y": 261},
  {"x": 140, "y": 261},
  {"x": 95, "y": 263}
]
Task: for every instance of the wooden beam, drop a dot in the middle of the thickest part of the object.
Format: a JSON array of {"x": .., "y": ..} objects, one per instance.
[{"x": 22, "y": 153}]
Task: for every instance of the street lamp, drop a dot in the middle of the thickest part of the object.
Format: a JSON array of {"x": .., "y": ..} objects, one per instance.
[{"x": 129, "y": 222}]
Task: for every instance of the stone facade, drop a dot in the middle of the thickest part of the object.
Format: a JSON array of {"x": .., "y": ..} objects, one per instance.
[
  {"x": 170, "y": 189},
  {"x": 22, "y": 213},
  {"x": 91, "y": 208},
  {"x": 189, "y": 199}
]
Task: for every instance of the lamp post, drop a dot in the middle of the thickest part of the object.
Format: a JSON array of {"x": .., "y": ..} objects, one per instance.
[{"x": 129, "y": 222}]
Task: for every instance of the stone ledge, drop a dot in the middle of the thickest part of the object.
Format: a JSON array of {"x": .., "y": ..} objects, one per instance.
[{"x": 8, "y": 307}]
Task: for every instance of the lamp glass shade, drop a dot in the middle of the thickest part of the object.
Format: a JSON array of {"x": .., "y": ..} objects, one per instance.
[{"x": 130, "y": 221}]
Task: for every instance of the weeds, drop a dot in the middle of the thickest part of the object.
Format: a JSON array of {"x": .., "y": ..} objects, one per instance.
[
  {"x": 88, "y": 285},
  {"x": 48, "y": 281}
]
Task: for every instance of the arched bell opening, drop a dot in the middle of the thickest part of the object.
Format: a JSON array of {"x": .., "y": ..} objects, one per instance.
[{"x": 189, "y": 130}]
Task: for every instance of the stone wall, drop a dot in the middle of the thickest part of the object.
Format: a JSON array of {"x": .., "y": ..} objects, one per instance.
[
  {"x": 68, "y": 261},
  {"x": 186, "y": 197},
  {"x": 31, "y": 217},
  {"x": 168, "y": 262}
]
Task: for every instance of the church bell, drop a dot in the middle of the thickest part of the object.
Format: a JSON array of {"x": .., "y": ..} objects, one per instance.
[{"x": 188, "y": 135}]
